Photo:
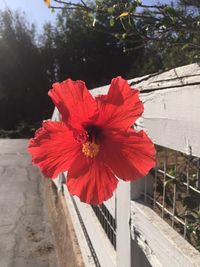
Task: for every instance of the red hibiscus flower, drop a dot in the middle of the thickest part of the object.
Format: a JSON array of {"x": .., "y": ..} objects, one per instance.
[{"x": 94, "y": 142}]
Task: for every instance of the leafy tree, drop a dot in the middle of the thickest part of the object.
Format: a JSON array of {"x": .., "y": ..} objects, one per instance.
[
  {"x": 156, "y": 26},
  {"x": 168, "y": 31},
  {"x": 82, "y": 52},
  {"x": 23, "y": 79},
  {"x": 94, "y": 42},
  {"x": 47, "y": 48}
]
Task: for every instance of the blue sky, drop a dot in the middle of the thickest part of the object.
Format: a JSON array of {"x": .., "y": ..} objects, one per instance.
[{"x": 37, "y": 11}]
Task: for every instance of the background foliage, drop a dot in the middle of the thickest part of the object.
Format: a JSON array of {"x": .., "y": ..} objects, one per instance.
[{"x": 93, "y": 41}]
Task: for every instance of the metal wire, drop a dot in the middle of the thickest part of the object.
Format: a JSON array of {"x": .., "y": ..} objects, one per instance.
[
  {"x": 107, "y": 221},
  {"x": 92, "y": 250},
  {"x": 176, "y": 194}
]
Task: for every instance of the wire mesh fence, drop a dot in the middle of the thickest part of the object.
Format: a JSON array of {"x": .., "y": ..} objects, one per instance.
[
  {"x": 107, "y": 222},
  {"x": 176, "y": 192}
]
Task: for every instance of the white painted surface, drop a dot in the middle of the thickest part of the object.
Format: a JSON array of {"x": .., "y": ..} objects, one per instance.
[
  {"x": 123, "y": 237},
  {"x": 100, "y": 90},
  {"x": 111, "y": 205},
  {"x": 85, "y": 250},
  {"x": 102, "y": 246},
  {"x": 138, "y": 186},
  {"x": 58, "y": 182},
  {"x": 171, "y": 118},
  {"x": 161, "y": 244},
  {"x": 185, "y": 75},
  {"x": 55, "y": 116}
]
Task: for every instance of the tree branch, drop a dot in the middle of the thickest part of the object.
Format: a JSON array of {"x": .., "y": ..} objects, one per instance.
[
  {"x": 64, "y": 8},
  {"x": 75, "y": 5}
]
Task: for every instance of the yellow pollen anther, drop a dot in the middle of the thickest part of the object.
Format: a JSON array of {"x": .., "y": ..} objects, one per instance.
[{"x": 90, "y": 149}]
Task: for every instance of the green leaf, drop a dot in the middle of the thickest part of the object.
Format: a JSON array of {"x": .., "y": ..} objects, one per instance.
[
  {"x": 132, "y": 8},
  {"x": 112, "y": 22},
  {"x": 170, "y": 181},
  {"x": 170, "y": 10},
  {"x": 122, "y": 23},
  {"x": 124, "y": 35},
  {"x": 166, "y": 21},
  {"x": 94, "y": 22},
  {"x": 111, "y": 10},
  {"x": 98, "y": 2}
]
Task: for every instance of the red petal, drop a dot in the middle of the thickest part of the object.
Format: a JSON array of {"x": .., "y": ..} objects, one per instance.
[
  {"x": 74, "y": 102},
  {"x": 94, "y": 186},
  {"x": 121, "y": 107},
  {"x": 53, "y": 148},
  {"x": 130, "y": 155},
  {"x": 79, "y": 166}
]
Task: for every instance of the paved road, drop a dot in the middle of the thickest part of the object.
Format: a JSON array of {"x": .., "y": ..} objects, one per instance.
[{"x": 25, "y": 234}]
